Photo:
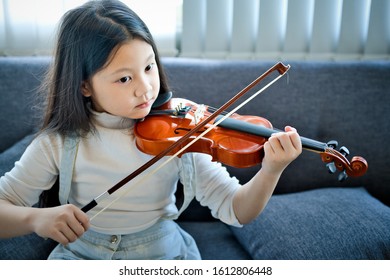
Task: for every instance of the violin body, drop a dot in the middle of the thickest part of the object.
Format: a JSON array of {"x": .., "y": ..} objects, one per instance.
[{"x": 157, "y": 132}]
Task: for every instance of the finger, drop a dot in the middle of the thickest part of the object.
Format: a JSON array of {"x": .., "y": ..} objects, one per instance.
[
  {"x": 58, "y": 236},
  {"x": 82, "y": 218},
  {"x": 274, "y": 142},
  {"x": 289, "y": 128},
  {"x": 80, "y": 222},
  {"x": 295, "y": 138},
  {"x": 286, "y": 143},
  {"x": 69, "y": 233},
  {"x": 61, "y": 238},
  {"x": 76, "y": 228},
  {"x": 296, "y": 141},
  {"x": 268, "y": 148}
]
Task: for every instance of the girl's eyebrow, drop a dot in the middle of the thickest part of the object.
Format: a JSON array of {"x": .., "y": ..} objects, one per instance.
[{"x": 126, "y": 69}]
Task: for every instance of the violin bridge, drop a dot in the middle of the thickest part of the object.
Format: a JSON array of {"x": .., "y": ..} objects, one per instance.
[{"x": 199, "y": 113}]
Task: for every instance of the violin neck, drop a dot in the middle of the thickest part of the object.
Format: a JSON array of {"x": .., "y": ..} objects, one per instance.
[{"x": 259, "y": 130}]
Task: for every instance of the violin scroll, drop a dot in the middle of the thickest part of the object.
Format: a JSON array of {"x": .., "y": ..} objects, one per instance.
[{"x": 336, "y": 160}]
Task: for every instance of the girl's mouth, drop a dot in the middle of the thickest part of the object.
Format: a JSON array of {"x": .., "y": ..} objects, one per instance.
[{"x": 145, "y": 104}]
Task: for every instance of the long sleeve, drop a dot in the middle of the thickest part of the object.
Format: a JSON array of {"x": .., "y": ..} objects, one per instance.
[
  {"x": 36, "y": 171},
  {"x": 214, "y": 187}
]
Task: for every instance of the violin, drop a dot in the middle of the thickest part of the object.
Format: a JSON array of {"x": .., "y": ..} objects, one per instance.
[{"x": 237, "y": 141}]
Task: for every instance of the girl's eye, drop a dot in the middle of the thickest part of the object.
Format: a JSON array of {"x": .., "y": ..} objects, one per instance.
[
  {"x": 124, "y": 80},
  {"x": 149, "y": 67}
]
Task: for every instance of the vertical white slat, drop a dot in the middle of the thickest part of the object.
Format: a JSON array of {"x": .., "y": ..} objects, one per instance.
[
  {"x": 70, "y": 4},
  {"x": 326, "y": 28},
  {"x": 46, "y": 25},
  {"x": 271, "y": 28},
  {"x": 20, "y": 36},
  {"x": 299, "y": 27},
  {"x": 194, "y": 28},
  {"x": 378, "y": 38},
  {"x": 245, "y": 22},
  {"x": 354, "y": 26},
  {"x": 163, "y": 29},
  {"x": 29, "y": 26},
  {"x": 2, "y": 28},
  {"x": 219, "y": 20}
]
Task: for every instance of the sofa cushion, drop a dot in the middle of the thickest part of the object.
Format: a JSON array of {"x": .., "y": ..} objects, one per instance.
[
  {"x": 319, "y": 224},
  {"x": 215, "y": 241},
  {"x": 27, "y": 247}
]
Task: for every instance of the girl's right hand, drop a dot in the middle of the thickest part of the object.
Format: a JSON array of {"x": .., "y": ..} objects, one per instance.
[{"x": 64, "y": 224}]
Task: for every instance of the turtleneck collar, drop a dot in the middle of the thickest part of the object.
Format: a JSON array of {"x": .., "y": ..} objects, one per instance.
[{"x": 110, "y": 121}]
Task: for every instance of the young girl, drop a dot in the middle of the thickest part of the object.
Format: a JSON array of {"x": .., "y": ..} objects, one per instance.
[{"x": 106, "y": 74}]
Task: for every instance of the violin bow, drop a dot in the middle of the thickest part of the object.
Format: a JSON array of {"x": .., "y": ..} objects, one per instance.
[{"x": 280, "y": 67}]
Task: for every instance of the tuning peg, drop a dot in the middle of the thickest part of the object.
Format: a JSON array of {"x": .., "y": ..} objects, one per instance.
[
  {"x": 332, "y": 144},
  {"x": 344, "y": 151},
  {"x": 331, "y": 167},
  {"x": 342, "y": 176}
]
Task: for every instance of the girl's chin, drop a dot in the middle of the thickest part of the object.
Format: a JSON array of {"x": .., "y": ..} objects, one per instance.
[{"x": 140, "y": 114}]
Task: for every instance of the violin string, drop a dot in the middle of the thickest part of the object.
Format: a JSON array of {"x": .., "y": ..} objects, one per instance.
[
  {"x": 212, "y": 110},
  {"x": 169, "y": 159}
]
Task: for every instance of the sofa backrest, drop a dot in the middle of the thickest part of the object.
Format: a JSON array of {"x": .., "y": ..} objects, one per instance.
[
  {"x": 344, "y": 101},
  {"x": 20, "y": 78}
]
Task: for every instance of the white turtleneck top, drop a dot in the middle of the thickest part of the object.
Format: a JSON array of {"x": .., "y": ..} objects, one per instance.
[{"x": 103, "y": 159}]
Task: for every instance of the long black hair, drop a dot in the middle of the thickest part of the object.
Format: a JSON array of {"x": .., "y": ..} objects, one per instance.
[{"x": 87, "y": 36}]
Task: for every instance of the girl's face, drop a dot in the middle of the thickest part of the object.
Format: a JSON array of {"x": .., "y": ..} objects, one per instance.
[{"x": 128, "y": 85}]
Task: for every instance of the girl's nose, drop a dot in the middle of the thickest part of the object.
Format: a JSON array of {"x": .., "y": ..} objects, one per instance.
[{"x": 143, "y": 87}]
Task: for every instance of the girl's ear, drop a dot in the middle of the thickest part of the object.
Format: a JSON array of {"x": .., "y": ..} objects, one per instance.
[{"x": 86, "y": 89}]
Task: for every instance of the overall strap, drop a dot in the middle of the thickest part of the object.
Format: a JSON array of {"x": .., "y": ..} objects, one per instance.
[
  {"x": 66, "y": 168},
  {"x": 188, "y": 179}
]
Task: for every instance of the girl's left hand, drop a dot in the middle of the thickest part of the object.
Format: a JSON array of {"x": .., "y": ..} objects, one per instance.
[{"x": 281, "y": 149}]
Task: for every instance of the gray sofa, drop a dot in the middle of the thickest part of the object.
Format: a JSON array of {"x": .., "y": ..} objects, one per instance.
[{"x": 311, "y": 215}]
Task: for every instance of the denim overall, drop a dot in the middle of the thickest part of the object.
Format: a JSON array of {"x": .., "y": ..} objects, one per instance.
[{"x": 163, "y": 240}]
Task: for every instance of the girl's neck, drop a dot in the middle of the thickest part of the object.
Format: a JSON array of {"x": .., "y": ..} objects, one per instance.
[{"x": 110, "y": 121}]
